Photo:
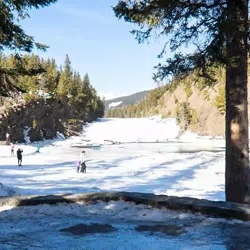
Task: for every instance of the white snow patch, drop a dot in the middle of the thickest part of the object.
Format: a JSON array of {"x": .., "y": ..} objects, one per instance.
[
  {"x": 60, "y": 135},
  {"x": 114, "y": 104},
  {"x": 25, "y": 133},
  {"x": 131, "y": 130},
  {"x": 156, "y": 118}
]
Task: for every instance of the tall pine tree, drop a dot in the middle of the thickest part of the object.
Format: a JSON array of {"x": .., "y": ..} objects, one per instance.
[
  {"x": 66, "y": 79},
  {"x": 219, "y": 29}
]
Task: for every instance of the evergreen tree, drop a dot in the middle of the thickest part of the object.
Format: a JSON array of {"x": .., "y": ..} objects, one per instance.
[
  {"x": 86, "y": 84},
  {"x": 67, "y": 66},
  {"x": 66, "y": 79},
  {"x": 86, "y": 80},
  {"x": 76, "y": 85},
  {"x": 219, "y": 29},
  {"x": 51, "y": 76},
  {"x": 31, "y": 67},
  {"x": 13, "y": 37}
]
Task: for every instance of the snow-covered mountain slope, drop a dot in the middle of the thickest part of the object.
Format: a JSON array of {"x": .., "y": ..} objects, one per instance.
[{"x": 126, "y": 100}]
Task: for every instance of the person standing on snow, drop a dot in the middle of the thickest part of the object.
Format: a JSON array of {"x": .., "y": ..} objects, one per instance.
[
  {"x": 78, "y": 166},
  {"x": 82, "y": 160},
  {"x": 19, "y": 156},
  {"x": 12, "y": 148}
]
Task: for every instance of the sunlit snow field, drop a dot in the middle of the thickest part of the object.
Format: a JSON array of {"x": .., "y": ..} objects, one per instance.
[{"x": 142, "y": 155}]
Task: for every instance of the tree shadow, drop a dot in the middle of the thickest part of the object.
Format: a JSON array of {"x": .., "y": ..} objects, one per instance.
[{"x": 112, "y": 175}]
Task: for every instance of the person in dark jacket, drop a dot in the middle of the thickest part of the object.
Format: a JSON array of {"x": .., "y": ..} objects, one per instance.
[
  {"x": 83, "y": 164},
  {"x": 19, "y": 156}
]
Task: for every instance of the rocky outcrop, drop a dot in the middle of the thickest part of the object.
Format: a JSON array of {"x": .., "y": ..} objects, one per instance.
[
  {"x": 210, "y": 121},
  {"x": 37, "y": 118}
]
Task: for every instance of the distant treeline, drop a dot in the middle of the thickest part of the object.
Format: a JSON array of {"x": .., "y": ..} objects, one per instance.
[
  {"x": 154, "y": 101},
  {"x": 141, "y": 109}
]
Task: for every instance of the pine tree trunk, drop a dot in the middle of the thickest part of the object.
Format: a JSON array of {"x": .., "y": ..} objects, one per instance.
[{"x": 237, "y": 148}]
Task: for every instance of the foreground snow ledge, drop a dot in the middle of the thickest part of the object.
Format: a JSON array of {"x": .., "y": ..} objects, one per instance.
[{"x": 207, "y": 207}]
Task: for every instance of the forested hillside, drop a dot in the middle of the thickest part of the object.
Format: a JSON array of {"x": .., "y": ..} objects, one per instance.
[
  {"x": 197, "y": 104},
  {"x": 44, "y": 98}
]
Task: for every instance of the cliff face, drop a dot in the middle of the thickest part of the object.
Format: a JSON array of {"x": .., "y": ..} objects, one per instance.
[
  {"x": 40, "y": 120},
  {"x": 210, "y": 121},
  {"x": 210, "y": 118}
]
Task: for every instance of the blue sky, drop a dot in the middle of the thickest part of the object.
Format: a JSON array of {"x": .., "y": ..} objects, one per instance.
[{"x": 98, "y": 44}]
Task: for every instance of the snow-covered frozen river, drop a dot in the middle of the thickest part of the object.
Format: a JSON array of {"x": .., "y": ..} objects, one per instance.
[
  {"x": 141, "y": 155},
  {"x": 122, "y": 155}
]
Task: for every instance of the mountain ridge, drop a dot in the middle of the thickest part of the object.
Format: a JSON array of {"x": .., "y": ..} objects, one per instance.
[{"x": 124, "y": 101}]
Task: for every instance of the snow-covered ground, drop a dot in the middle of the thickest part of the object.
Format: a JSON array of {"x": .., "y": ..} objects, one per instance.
[
  {"x": 132, "y": 227},
  {"x": 142, "y": 155},
  {"x": 122, "y": 155}
]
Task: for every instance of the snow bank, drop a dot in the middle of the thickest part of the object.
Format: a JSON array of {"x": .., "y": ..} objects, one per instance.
[
  {"x": 201, "y": 141},
  {"x": 3, "y": 191},
  {"x": 189, "y": 136},
  {"x": 7, "y": 191}
]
